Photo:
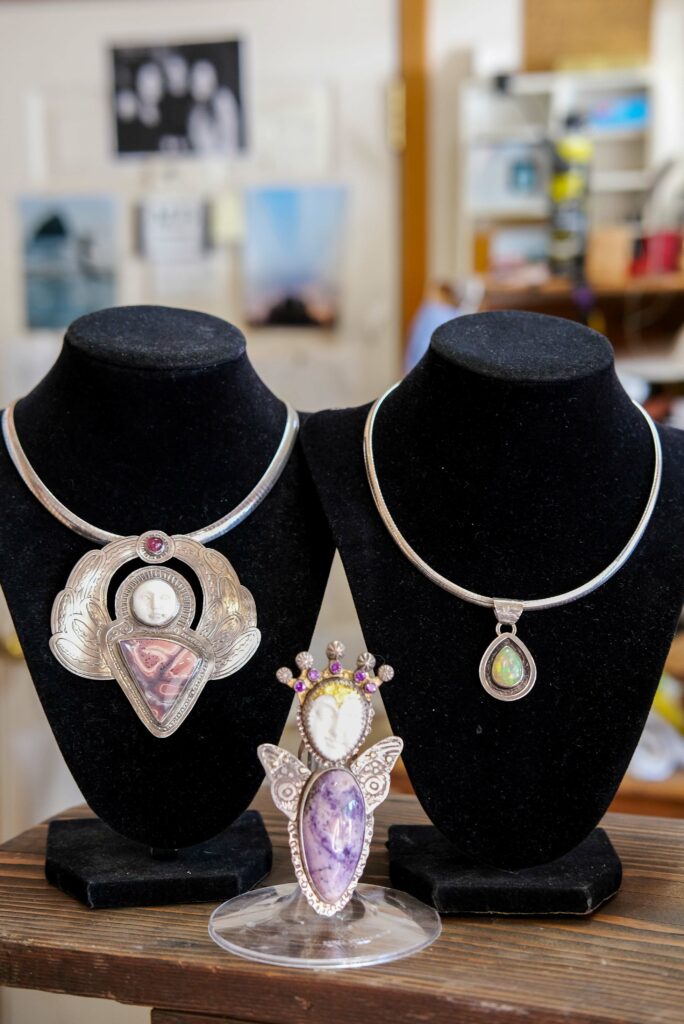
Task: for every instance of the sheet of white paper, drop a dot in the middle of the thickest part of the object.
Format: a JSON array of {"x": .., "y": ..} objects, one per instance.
[
  {"x": 293, "y": 129},
  {"x": 172, "y": 229}
]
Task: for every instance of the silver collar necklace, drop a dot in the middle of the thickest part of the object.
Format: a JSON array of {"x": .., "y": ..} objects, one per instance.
[
  {"x": 161, "y": 663},
  {"x": 507, "y": 668}
]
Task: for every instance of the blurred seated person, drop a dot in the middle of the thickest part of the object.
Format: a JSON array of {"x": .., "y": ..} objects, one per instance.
[{"x": 442, "y": 302}]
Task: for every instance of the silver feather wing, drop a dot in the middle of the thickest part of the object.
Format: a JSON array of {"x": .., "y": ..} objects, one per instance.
[
  {"x": 228, "y": 618},
  {"x": 372, "y": 770},
  {"x": 287, "y": 776},
  {"x": 79, "y": 612}
]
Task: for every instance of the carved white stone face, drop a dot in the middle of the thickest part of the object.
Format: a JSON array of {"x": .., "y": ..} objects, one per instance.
[
  {"x": 155, "y": 603},
  {"x": 335, "y": 722}
]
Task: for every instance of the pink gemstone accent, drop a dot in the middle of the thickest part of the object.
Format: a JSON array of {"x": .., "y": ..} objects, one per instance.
[
  {"x": 161, "y": 669},
  {"x": 335, "y": 668},
  {"x": 370, "y": 687},
  {"x": 155, "y": 545},
  {"x": 314, "y": 675},
  {"x": 299, "y": 686},
  {"x": 359, "y": 676}
]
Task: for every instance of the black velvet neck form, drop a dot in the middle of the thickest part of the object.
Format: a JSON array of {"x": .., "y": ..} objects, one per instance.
[
  {"x": 533, "y": 444},
  {"x": 515, "y": 464},
  {"x": 174, "y": 446},
  {"x": 200, "y": 423}
]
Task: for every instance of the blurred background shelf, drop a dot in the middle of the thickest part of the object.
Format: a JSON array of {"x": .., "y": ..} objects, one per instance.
[{"x": 662, "y": 799}]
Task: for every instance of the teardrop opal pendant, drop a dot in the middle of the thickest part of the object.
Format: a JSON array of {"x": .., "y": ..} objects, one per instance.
[{"x": 507, "y": 669}]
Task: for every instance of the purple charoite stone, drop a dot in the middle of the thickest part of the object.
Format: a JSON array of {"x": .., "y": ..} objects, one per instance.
[{"x": 333, "y": 828}]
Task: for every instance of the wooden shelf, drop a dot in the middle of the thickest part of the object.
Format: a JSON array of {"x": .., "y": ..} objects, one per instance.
[
  {"x": 497, "y": 290},
  {"x": 623, "y": 965}
]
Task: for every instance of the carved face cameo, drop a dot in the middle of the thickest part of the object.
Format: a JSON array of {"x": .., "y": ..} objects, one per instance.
[
  {"x": 154, "y": 602},
  {"x": 336, "y": 719}
]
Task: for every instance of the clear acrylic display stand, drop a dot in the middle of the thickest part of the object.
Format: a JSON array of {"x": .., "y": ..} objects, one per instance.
[{"x": 276, "y": 925}]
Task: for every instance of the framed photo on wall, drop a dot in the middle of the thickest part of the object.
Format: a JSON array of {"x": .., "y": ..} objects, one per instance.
[
  {"x": 182, "y": 99},
  {"x": 293, "y": 255},
  {"x": 69, "y": 250}
]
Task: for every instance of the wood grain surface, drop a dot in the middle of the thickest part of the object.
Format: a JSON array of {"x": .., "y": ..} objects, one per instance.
[{"x": 626, "y": 964}]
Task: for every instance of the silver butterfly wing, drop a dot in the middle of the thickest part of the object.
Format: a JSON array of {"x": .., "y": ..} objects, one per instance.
[
  {"x": 79, "y": 612},
  {"x": 228, "y": 618},
  {"x": 287, "y": 776},
  {"x": 372, "y": 770}
]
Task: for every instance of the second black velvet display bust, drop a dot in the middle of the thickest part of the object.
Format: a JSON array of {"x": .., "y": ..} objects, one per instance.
[
  {"x": 515, "y": 464},
  {"x": 154, "y": 419}
]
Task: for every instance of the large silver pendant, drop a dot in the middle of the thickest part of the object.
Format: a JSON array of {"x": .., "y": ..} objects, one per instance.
[
  {"x": 507, "y": 669},
  {"x": 329, "y": 802},
  {"x": 161, "y": 663}
]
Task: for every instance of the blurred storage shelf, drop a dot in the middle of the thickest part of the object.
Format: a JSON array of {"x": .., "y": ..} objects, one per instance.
[
  {"x": 497, "y": 289},
  {"x": 506, "y": 125},
  {"x": 640, "y": 315}
]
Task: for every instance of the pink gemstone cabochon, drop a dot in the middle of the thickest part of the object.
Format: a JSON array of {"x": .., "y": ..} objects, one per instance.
[
  {"x": 162, "y": 670},
  {"x": 332, "y": 830}
]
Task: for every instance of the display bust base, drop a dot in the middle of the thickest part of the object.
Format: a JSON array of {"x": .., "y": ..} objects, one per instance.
[
  {"x": 95, "y": 865},
  {"x": 276, "y": 925},
  {"x": 423, "y": 863}
]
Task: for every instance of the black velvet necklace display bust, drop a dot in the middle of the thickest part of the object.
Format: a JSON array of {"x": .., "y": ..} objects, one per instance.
[
  {"x": 514, "y": 463},
  {"x": 154, "y": 418}
]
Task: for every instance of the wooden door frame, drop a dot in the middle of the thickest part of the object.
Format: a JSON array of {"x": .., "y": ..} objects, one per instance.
[{"x": 413, "y": 29}]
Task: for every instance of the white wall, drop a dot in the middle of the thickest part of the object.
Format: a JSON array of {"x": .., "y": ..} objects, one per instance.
[
  {"x": 56, "y": 136},
  {"x": 463, "y": 38},
  {"x": 54, "y": 120},
  {"x": 668, "y": 84}
]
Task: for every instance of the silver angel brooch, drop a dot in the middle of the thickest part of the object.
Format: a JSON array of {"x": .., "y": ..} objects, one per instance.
[
  {"x": 160, "y": 661},
  {"x": 330, "y": 802}
]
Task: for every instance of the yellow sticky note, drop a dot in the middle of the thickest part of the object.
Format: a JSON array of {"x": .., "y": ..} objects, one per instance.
[{"x": 227, "y": 219}]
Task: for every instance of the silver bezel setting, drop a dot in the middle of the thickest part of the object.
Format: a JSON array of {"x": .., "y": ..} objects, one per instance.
[
  {"x": 530, "y": 669},
  {"x": 291, "y": 780},
  {"x": 84, "y": 637},
  {"x": 299, "y": 860},
  {"x": 346, "y": 678},
  {"x": 179, "y": 711},
  {"x": 155, "y": 557}
]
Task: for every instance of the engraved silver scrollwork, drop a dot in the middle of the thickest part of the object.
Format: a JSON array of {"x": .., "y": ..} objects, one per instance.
[
  {"x": 85, "y": 640},
  {"x": 291, "y": 781}
]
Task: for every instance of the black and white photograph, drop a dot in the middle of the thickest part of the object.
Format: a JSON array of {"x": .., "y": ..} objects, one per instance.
[{"x": 184, "y": 99}]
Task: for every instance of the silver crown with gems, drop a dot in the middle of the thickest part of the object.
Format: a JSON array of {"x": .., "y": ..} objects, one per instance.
[{"x": 363, "y": 677}]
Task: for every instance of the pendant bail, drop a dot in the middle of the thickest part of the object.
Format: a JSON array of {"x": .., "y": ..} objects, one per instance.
[{"x": 508, "y": 611}]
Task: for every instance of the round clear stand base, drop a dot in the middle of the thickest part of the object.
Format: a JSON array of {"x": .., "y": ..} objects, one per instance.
[{"x": 276, "y": 925}]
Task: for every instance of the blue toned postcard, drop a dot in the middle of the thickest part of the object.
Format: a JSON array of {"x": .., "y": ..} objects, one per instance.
[
  {"x": 293, "y": 255},
  {"x": 69, "y": 253}
]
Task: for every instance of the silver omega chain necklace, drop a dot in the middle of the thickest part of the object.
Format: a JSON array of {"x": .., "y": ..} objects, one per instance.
[
  {"x": 161, "y": 663},
  {"x": 507, "y": 668}
]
